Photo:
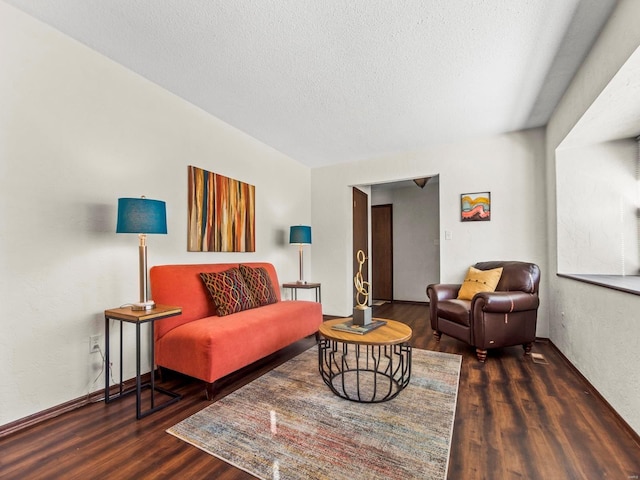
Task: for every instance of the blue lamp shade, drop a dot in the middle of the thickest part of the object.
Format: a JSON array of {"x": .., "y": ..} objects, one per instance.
[
  {"x": 300, "y": 234},
  {"x": 141, "y": 215}
]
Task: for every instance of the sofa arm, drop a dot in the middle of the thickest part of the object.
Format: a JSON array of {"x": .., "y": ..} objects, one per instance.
[
  {"x": 504, "y": 302},
  {"x": 442, "y": 291}
]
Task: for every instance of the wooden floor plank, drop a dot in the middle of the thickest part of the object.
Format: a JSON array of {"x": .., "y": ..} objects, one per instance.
[{"x": 514, "y": 419}]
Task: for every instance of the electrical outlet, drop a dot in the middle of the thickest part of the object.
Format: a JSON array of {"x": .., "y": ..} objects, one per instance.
[{"x": 94, "y": 343}]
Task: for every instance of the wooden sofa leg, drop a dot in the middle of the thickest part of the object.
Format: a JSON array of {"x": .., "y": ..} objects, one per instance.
[
  {"x": 208, "y": 391},
  {"x": 527, "y": 347},
  {"x": 437, "y": 334},
  {"x": 481, "y": 354}
]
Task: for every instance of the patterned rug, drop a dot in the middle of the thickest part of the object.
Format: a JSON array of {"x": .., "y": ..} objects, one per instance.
[{"x": 288, "y": 425}]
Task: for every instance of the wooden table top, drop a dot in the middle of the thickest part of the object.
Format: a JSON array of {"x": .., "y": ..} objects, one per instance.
[
  {"x": 140, "y": 316},
  {"x": 301, "y": 285},
  {"x": 392, "y": 333}
]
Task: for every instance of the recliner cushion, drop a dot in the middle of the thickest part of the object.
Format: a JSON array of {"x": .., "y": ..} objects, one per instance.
[
  {"x": 455, "y": 310},
  {"x": 516, "y": 276}
]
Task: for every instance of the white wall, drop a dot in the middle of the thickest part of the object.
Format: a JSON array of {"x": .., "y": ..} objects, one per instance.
[
  {"x": 77, "y": 132},
  {"x": 416, "y": 238},
  {"x": 596, "y": 328},
  {"x": 510, "y": 166},
  {"x": 597, "y": 200}
]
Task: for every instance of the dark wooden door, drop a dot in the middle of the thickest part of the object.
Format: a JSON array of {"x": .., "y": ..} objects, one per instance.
[
  {"x": 382, "y": 252},
  {"x": 360, "y": 233}
]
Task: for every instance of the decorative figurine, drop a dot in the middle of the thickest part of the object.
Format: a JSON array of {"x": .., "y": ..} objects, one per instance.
[{"x": 362, "y": 311}]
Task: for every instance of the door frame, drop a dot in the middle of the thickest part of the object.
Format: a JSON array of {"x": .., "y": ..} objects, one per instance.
[{"x": 360, "y": 203}]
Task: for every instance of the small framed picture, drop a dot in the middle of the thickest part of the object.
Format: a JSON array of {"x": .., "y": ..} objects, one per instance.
[{"x": 475, "y": 207}]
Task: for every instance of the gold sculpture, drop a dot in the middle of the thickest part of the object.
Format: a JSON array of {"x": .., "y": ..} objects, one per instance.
[
  {"x": 362, "y": 311},
  {"x": 362, "y": 287}
]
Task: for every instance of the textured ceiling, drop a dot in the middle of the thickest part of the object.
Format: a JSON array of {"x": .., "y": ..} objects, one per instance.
[{"x": 327, "y": 81}]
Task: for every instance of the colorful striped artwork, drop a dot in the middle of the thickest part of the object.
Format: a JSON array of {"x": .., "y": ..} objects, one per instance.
[
  {"x": 475, "y": 207},
  {"x": 221, "y": 213}
]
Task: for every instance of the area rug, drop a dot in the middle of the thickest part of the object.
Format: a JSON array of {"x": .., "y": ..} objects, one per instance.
[{"x": 288, "y": 425}]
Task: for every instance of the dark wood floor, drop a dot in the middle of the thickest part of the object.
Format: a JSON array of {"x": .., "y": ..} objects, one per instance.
[{"x": 514, "y": 419}]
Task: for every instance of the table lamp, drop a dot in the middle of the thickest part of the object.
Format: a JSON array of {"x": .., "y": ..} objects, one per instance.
[
  {"x": 142, "y": 216},
  {"x": 300, "y": 235}
]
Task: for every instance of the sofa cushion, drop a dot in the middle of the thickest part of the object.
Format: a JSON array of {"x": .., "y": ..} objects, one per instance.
[
  {"x": 478, "y": 281},
  {"x": 259, "y": 284},
  {"x": 210, "y": 348},
  {"x": 228, "y": 291}
]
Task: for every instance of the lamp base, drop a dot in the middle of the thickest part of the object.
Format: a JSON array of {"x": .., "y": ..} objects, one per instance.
[{"x": 140, "y": 306}]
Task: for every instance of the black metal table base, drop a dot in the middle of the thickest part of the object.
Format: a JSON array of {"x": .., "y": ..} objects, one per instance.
[
  {"x": 174, "y": 397},
  {"x": 364, "y": 373},
  {"x": 139, "y": 385}
]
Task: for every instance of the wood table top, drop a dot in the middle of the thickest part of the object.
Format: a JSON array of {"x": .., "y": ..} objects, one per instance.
[
  {"x": 134, "y": 316},
  {"x": 392, "y": 333},
  {"x": 305, "y": 285}
]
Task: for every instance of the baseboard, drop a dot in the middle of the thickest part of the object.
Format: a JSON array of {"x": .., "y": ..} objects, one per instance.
[
  {"x": 593, "y": 391},
  {"x": 57, "y": 410}
]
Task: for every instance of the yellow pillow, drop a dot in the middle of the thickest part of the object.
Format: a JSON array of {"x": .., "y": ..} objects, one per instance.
[{"x": 478, "y": 281}]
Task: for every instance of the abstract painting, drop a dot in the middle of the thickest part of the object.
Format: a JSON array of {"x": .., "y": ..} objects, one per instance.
[
  {"x": 475, "y": 207},
  {"x": 221, "y": 213}
]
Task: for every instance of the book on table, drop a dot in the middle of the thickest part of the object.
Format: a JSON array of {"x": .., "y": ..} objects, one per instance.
[{"x": 348, "y": 326}]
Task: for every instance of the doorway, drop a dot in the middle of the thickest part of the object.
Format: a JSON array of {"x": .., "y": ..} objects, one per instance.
[
  {"x": 414, "y": 245},
  {"x": 382, "y": 252}
]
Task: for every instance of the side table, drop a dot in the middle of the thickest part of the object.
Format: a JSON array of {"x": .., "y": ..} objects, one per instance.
[
  {"x": 138, "y": 318},
  {"x": 370, "y": 368},
  {"x": 294, "y": 286}
]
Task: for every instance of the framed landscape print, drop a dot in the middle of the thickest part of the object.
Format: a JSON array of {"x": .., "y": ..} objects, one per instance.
[
  {"x": 221, "y": 213},
  {"x": 475, "y": 207}
]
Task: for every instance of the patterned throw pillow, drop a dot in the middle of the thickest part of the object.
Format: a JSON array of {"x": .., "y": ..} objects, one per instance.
[
  {"x": 228, "y": 291},
  {"x": 259, "y": 283}
]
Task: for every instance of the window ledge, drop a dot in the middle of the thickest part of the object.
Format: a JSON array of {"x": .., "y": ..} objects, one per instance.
[{"x": 622, "y": 283}]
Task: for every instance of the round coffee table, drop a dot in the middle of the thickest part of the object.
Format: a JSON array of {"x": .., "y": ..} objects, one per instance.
[{"x": 370, "y": 368}]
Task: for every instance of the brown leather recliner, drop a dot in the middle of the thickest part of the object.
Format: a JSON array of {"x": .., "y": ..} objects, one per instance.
[{"x": 502, "y": 318}]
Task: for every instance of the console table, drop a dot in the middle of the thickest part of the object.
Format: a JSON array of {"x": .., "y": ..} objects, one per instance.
[
  {"x": 370, "y": 368},
  {"x": 127, "y": 315}
]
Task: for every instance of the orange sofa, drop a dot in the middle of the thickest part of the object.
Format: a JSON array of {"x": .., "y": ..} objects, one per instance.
[{"x": 203, "y": 345}]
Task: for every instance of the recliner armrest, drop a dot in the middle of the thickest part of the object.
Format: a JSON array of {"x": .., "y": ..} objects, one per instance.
[
  {"x": 505, "y": 302},
  {"x": 442, "y": 291}
]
